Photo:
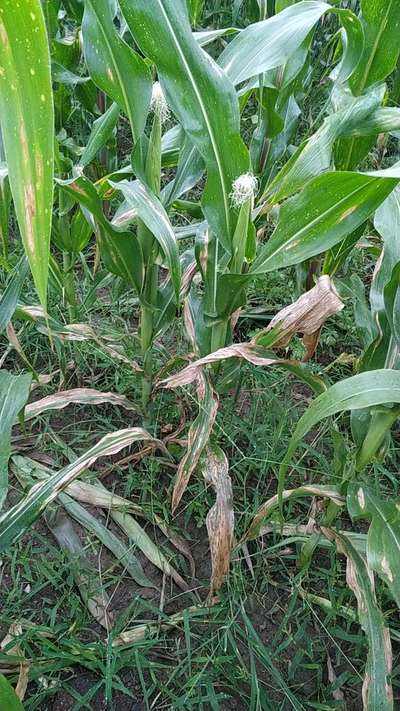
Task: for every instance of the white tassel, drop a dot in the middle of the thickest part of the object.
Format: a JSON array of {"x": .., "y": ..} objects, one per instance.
[
  {"x": 158, "y": 102},
  {"x": 243, "y": 188}
]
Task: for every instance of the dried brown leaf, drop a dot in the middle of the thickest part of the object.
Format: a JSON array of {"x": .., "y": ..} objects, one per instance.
[
  {"x": 249, "y": 351},
  {"x": 338, "y": 694},
  {"x": 199, "y": 434},
  {"x": 307, "y": 315},
  {"x": 272, "y": 503},
  {"x": 15, "y": 650},
  {"x": 84, "y": 332},
  {"x": 81, "y": 396},
  {"x": 220, "y": 519}
]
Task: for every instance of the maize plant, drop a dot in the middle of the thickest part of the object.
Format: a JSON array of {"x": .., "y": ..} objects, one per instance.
[{"x": 222, "y": 182}]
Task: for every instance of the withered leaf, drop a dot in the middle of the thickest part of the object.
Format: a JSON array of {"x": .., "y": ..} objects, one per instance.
[{"x": 220, "y": 519}]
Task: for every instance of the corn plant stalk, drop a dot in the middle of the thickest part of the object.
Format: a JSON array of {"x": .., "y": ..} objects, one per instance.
[{"x": 151, "y": 272}]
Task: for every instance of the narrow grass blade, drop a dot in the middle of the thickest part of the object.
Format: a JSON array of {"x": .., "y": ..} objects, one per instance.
[
  {"x": 27, "y": 123},
  {"x": 150, "y": 628}
]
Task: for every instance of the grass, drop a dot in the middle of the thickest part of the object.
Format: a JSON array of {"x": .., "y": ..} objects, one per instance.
[
  {"x": 265, "y": 645},
  {"x": 283, "y": 634}
]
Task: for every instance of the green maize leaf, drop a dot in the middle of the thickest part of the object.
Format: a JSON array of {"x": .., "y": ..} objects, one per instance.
[
  {"x": 189, "y": 170},
  {"x": 207, "y": 36},
  {"x": 63, "y": 76},
  {"x": 150, "y": 210},
  {"x": 171, "y": 144},
  {"x": 392, "y": 303},
  {"x": 18, "y": 519},
  {"x": 381, "y": 24},
  {"x": 200, "y": 95},
  {"x": 361, "y": 116},
  {"x": 27, "y": 123},
  {"x": 11, "y": 294},
  {"x": 374, "y": 387},
  {"x": 377, "y": 692},
  {"x": 114, "y": 66},
  {"x": 330, "y": 207},
  {"x": 383, "y": 350},
  {"x": 354, "y": 289},
  {"x": 123, "y": 554},
  {"x": 315, "y": 155},
  {"x": 195, "y": 7},
  {"x": 9, "y": 699},
  {"x": 14, "y": 392},
  {"x": 101, "y": 131},
  {"x": 387, "y": 223},
  {"x": 336, "y": 257},
  {"x": 120, "y": 250},
  {"x": 383, "y": 542},
  {"x": 270, "y": 43},
  {"x": 80, "y": 233}
]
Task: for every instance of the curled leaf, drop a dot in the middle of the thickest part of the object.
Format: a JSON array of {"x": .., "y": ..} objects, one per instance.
[
  {"x": 330, "y": 492},
  {"x": 307, "y": 315}
]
